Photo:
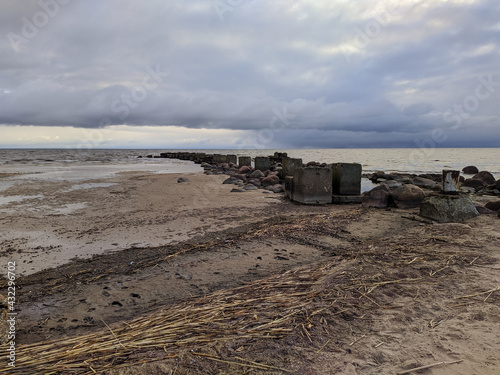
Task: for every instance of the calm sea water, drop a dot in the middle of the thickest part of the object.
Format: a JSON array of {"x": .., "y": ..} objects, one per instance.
[{"x": 69, "y": 164}]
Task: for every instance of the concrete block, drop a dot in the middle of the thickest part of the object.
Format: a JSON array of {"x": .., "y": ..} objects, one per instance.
[
  {"x": 313, "y": 185},
  {"x": 289, "y": 187},
  {"x": 289, "y": 165},
  {"x": 219, "y": 159},
  {"x": 232, "y": 159},
  {"x": 346, "y": 178},
  {"x": 262, "y": 163},
  {"x": 245, "y": 161}
]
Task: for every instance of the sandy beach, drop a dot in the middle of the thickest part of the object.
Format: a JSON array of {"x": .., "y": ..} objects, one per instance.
[{"x": 335, "y": 289}]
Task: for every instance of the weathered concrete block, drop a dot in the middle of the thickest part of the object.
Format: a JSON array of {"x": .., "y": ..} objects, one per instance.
[
  {"x": 313, "y": 185},
  {"x": 346, "y": 178},
  {"x": 289, "y": 165},
  {"x": 451, "y": 181},
  {"x": 232, "y": 159},
  {"x": 219, "y": 159},
  {"x": 245, "y": 161},
  {"x": 289, "y": 187},
  {"x": 448, "y": 208},
  {"x": 262, "y": 163}
]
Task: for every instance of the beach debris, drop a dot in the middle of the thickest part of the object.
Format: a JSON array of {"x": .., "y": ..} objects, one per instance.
[
  {"x": 428, "y": 366},
  {"x": 470, "y": 170},
  {"x": 448, "y": 208},
  {"x": 408, "y": 196}
]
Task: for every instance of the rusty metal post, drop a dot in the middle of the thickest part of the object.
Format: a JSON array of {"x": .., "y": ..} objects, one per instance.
[{"x": 451, "y": 181}]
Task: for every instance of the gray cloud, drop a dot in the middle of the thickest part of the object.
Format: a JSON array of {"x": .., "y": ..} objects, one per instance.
[{"x": 349, "y": 73}]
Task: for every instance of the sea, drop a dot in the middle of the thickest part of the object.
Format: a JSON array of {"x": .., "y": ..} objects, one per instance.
[{"x": 17, "y": 165}]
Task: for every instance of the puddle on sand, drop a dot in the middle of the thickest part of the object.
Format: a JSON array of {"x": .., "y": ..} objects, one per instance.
[
  {"x": 18, "y": 198},
  {"x": 90, "y": 185}
]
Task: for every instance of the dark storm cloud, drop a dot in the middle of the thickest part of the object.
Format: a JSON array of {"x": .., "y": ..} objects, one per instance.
[{"x": 365, "y": 71}]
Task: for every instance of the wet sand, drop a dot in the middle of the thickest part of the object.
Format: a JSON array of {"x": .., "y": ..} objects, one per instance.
[{"x": 392, "y": 293}]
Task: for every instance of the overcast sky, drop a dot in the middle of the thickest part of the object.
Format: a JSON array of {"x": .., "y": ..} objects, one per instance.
[{"x": 250, "y": 73}]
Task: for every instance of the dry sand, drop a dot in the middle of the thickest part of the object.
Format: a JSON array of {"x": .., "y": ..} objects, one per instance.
[{"x": 383, "y": 293}]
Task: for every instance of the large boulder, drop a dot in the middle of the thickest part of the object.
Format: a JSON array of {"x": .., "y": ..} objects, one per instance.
[
  {"x": 257, "y": 174},
  {"x": 408, "y": 196},
  {"x": 474, "y": 183},
  {"x": 377, "y": 197},
  {"x": 497, "y": 185},
  {"x": 470, "y": 170},
  {"x": 244, "y": 170},
  {"x": 448, "y": 208},
  {"x": 270, "y": 180},
  {"x": 485, "y": 176},
  {"x": 424, "y": 183},
  {"x": 493, "y": 205}
]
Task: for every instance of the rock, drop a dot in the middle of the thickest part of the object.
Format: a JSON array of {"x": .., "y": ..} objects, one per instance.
[
  {"x": 278, "y": 188},
  {"x": 255, "y": 181},
  {"x": 408, "y": 196},
  {"x": 182, "y": 179},
  {"x": 474, "y": 183},
  {"x": 485, "y": 176},
  {"x": 484, "y": 211},
  {"x": 231, "y": 180},
  {"x": 244, "y": 170},
  {"x": 470, "y": 170},
  {"x": 497, "y": 185},
  {"x": 424, "y": 183},
  {"x": 493, "y": 205},
  {"x": 312, "y": 164},
  {"x": 377, "y": 197},
  {"x": 448, "y": 208},
  {"x": 392, "y": 184},
  {"x": 241, "y": 177},
  {"x": 250, "y": 187},
  {"x": 236, "y": 190},
  {"x": 270, "y": 180},
  {"x": 257, "y": 174}
]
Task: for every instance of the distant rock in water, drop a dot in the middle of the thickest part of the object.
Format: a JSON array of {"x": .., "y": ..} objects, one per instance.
[
  {"x": 182, "y": 179},
  {"x": 470, "y": 170}
]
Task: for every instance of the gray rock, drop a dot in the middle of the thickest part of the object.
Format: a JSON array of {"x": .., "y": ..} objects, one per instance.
[
  {"x": 377, "y": 197},
  {"x": 448, "y": 208},
  {"x": 470, "y": 170},
  {"x": 255, "y": 181},
  {"x": 231, "y": 180},
  {"x": 250, "y": 187},
  {"x": 278, "y": 188},
  {"x": 408, "y": 196},
  {"x": 235, "y": 190},
  {"x": 256, "y": 174},
  {"x": 392, "y": 184},
  {"x": 182, "y": 179}
]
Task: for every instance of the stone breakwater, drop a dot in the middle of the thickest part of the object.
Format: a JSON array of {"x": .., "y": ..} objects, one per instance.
[{"x": 321, "y": 183}]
